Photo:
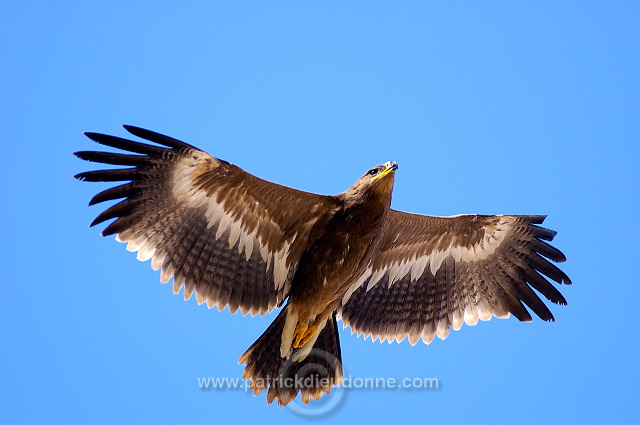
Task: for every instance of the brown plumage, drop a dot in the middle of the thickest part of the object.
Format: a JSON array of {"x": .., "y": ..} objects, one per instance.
[{"x": 239, "y": 241}]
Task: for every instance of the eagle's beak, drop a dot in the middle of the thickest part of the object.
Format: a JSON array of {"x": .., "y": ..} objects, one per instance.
[{"x": 391, "y": 165}]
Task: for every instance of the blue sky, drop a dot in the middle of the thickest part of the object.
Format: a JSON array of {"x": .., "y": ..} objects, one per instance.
[{"x": 492, "y": 108}]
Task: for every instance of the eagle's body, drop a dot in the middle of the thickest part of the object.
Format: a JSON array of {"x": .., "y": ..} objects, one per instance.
[
  {"x": 239, "y": 241},
  {"x": 339, "y": 255}
]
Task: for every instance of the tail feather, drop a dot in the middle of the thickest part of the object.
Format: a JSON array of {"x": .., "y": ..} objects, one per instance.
[{"x": 312, "y": 375}]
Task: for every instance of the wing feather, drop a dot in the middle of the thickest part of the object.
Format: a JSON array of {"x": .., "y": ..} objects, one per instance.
[
  {"x": 230, "y": 237},
  {"x": 125, "y": 144},
  {"x": 116, "y": 192},
  {"x": 432, "y": 274}
]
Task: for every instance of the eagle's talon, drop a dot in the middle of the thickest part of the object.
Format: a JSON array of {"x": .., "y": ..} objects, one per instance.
[{"x": 303, "y": 334}]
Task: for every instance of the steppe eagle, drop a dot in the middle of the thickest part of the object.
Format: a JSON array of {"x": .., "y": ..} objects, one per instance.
[{"x": 241, "y": 242}]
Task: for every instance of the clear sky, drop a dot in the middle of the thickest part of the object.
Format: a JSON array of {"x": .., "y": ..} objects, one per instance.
[{"x": 489, "y": 107}]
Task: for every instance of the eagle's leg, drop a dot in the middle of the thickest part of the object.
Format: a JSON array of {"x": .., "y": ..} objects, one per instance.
[{"x": 303, "y": 334}]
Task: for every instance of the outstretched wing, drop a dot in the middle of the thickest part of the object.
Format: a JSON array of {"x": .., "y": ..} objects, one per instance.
[
  {"x": 229, "y": 236},
  {"x": 434, "y": 273}
]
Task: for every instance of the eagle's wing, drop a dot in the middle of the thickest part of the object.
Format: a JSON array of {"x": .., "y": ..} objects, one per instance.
[
  {"x": 229, "y": 236},
  {"x": 433, "y": 273}
]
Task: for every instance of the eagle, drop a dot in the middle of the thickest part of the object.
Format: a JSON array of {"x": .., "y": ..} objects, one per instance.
[{"x": 241, "y": 242}]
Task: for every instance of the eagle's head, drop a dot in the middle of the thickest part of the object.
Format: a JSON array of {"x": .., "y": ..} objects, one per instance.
[{"x": 377, "y": 183}]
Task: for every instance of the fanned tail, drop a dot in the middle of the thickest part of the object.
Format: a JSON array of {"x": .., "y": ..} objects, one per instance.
[{"x": 312, "y": 375}]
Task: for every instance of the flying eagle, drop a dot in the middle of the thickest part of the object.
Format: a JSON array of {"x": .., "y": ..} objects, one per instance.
[{"x": 241, "y": 242}]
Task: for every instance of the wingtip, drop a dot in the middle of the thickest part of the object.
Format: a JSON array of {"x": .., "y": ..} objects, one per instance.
[
  {"x": 159, "y": 138},
  {"x": 537, "y": 219},
  {"x": 81, "y": 176},
  {"x": 95, "y": 222},
  {"x": 140, "y": 132},
  {"x": 92, "y": 135},
  {"x": 82, "y": 155}
]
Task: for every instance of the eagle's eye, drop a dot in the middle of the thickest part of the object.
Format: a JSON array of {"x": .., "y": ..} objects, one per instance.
[{"x": 372, "y": 172}]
